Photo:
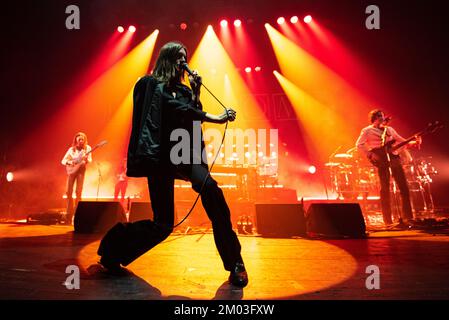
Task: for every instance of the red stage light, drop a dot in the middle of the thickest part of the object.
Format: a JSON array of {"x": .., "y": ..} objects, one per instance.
[
  {"x": 237, "y": 23},
  {"x": 9, "y": 177},
  {"x": 281, "y": 20},
  {"x": 224, "y": 23},
  {"x": 308, "y": 19},
  {"x": 120, "y": 29},
  {"x": 312, "y": 169},
  {"x": 257, "y": 69},
  {"x": 132, "y": 29},
  {"x": 248, "y": 69},
  {"x": 294, "y": 19},
  {"x": 183, "y": 26}
]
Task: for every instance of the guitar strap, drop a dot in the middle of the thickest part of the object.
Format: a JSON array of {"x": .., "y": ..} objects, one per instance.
[{"x": 383, "y": 137}]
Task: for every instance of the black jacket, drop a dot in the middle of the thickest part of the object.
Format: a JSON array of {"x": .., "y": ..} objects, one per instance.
[{"x": 152, "y": 108}]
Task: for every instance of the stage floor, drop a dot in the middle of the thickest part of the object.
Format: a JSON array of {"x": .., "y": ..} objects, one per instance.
[{"x": 412, "y": 264}]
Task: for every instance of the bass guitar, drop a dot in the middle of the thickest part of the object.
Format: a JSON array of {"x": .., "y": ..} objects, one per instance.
[{"x": 379, "y": 156}]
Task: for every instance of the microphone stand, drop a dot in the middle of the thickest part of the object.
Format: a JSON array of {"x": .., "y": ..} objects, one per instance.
[
  {"x": 392, "y": 179},
  {"x": 99, "y": 179},
  {"x": 332, "y": 176}
]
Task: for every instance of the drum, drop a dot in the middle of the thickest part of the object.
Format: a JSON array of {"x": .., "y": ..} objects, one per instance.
[
  {"x": 343, "y": 181},
  {"x": 367, "y": 180},
  {"x": 411, "y": 173},
  {"x": 425, "y": 169}
]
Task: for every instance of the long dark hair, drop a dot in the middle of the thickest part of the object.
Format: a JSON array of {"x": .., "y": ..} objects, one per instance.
[{"x": 165, "y": 68}]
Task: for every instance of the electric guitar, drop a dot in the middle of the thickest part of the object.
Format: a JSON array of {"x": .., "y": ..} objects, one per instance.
[
  {"x": 77, "y": 163},
  {"x": 379, "y": 155}
]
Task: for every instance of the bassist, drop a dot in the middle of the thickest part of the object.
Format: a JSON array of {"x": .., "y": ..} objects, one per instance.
[
  {"x": 372, "y": 142},
  {"x": 78, "y": 156}
]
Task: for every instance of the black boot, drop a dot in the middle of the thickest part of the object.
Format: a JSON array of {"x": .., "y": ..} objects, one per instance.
[{"x": 239, "y": 276}]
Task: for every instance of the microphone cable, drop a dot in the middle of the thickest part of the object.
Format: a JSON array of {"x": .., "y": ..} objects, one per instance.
[{"x": 186, "y": 68}]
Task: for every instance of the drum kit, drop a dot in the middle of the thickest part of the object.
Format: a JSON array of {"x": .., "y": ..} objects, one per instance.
[{"x": 351, "y": 175}]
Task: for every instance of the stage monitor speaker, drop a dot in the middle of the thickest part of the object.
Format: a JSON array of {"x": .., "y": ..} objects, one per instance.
[
  {"x": 335, "y": 220},
  {"x": 98, "y": 216},
  {"x": 276, "y": 195},
  {"x": 280, "y": 220},
  {"x": 140, "y": 211}
]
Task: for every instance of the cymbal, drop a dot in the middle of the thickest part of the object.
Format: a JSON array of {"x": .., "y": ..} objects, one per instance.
[
  {"x": 332, "y": 164},
  {"x": 352, "y": 150},
  {"x": 343, "y": 155}
]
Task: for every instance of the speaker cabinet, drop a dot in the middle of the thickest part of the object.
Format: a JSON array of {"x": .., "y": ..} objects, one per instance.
[
  {"x": 335, "y": 220},
  {"x": 140, "y": 211},
  {"x": 98, "y": 217},
  {"x": 280, "y": 220}
]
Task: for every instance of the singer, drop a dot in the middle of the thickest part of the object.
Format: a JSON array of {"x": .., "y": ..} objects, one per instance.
[{"x": 162, "y": 103}]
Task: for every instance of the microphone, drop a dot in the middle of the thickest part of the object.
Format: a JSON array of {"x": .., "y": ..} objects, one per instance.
[
  {"x": 185, "y": 66},
  {"x": 387, "y": 119}
]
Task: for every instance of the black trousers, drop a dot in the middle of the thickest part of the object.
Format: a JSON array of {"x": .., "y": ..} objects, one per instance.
[
  {"x": 399, "y": 176},
  {"x": 126, "y": 242}
]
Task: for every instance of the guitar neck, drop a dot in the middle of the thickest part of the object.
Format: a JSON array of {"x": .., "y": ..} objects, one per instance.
[{"x": 403, "y": 143}]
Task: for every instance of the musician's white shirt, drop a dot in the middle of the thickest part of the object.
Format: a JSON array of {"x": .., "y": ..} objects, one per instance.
[
  {"x": 74, "y": 153},
  {"x": 371, "y": 137}
]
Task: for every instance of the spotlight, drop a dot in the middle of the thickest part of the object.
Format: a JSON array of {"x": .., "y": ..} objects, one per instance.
[
  {"x": 9, "y": 177},
  {"x": 237, "y": 23},
  {"x": 248, "y": 69},
  {"x": 308, "y": 19},
  {"x": 294, "y": 19},
  {"x": 312, "y": 169},
  {"x": 281, "y": 20},
  {"x": 120, "y": 29},
  {"x": 132, "y": 29},
  {"x": 183, "y": 26},
  {"x": 257, "y": 69},
  {"x": 224, "y": 23}
]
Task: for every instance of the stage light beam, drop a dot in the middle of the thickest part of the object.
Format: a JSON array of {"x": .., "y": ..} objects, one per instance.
[
  {"x": 237, "y": 23},
  {"x": 281, "y": 20},
  {"x": 132, "y": 29},
  {"x": 294, "y": 19},
  {"x": 224, "y": 23},
  {"x": 120, "y": 29}
]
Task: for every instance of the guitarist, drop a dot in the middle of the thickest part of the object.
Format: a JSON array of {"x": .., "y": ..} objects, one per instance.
[
  {"x": 76, "y": 156},
  {"x": 371, "y": 140}
]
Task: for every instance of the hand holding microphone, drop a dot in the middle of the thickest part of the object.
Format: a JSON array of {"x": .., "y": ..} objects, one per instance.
[
  {"x": 194, "y": 79},
  {"x": 196, "y": 82}
]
